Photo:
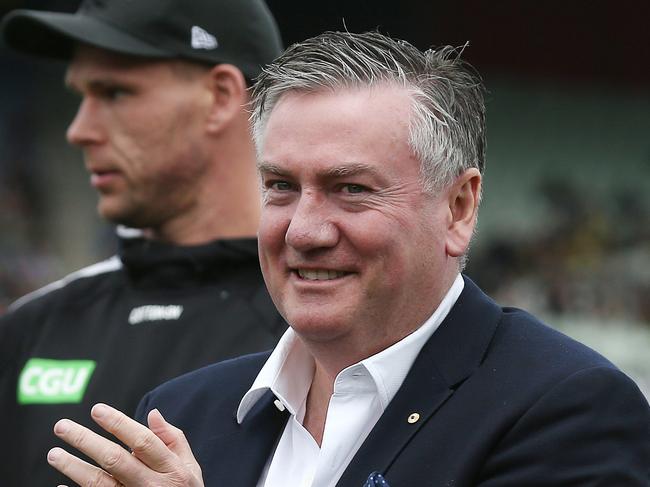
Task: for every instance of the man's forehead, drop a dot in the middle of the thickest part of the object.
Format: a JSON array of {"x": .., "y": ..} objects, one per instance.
[
  {"x": 90, "y": 62},
  {"x": 346, "y": 102},
  {"x": 338, "y": 133},
  {"x": 85, "y": 52}
]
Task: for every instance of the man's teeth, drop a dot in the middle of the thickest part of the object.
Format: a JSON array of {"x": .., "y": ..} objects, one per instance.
[{"x": 319, "y": 274}]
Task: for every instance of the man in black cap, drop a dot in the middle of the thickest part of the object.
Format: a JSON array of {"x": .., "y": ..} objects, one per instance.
[{"x": 166, "y": 140}]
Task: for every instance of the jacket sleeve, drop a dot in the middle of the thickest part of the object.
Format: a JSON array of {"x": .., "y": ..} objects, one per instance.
[
  {"x": 592, "y": 429},
  {"x": 143, "y": 409}
]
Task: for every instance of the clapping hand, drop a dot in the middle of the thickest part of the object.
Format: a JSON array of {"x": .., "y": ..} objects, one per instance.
[{"x": 160, "y": 454}]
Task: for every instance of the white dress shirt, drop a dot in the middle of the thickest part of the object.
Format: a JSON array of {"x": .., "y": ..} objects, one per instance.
[{"x": 361, "y": 394}]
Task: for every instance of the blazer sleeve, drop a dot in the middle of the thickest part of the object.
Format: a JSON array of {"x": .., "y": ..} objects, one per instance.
[
  {"x": 143, "y": 409},
  {"x": 591, "y": 429}
]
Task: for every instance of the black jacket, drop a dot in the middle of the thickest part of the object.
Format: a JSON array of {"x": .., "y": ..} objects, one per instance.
[
  {"x": 501, "y": 400},
  {"x": 113, "y": 331}
]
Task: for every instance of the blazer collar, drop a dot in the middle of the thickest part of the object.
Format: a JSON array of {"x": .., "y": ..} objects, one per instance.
[
  {"x": 451, "y": 355},
  {"x": 242, "y": 450}
]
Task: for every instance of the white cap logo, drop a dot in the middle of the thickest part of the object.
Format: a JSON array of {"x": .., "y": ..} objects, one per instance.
[{"x": 201, "y": 39}]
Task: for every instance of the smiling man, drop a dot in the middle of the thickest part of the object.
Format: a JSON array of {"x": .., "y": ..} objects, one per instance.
[
  {"x": 397, "y": 370},
  {"x": 348, "y": 237}
]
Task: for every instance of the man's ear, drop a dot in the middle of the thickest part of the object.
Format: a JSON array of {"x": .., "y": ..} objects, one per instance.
[
  {"x": 463, "y": 198},
  {"x": 229, "y": 94}
]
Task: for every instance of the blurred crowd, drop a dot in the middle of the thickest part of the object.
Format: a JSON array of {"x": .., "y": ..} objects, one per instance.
[
  {"x": 26, "y": 261},
  {"x": 590, "y": 259}
]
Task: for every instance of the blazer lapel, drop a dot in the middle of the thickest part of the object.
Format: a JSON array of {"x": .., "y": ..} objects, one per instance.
[
  {"x": 244, "y": 450},
  {"x": 451, "y": 355}
]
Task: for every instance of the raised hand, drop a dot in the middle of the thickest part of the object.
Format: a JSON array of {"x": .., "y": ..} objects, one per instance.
[{"x": 160, "y": 455}]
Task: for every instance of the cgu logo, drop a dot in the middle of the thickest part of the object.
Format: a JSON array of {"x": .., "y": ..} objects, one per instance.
[{"x": 45, "y": 381}]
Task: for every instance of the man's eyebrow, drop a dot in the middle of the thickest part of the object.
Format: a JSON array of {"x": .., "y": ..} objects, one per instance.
[
  {"x": 345, "y": 170},
  {"x": 268, "y": 168},
  {"x": 351, "y": 169},
  {"x": 98, "y": 84}
]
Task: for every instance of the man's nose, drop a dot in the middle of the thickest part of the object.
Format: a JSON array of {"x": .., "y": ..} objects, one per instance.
[
  {"x": 311, "y": 225},
  {"x": 85, "y": 127}
]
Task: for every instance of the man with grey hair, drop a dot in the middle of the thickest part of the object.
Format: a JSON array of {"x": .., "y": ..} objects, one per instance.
[{"x": 396, "y": 369}]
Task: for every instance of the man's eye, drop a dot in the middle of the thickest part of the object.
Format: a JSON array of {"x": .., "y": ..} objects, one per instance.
[
  {"x": 354, "y": 188},
  {"x": 113, "y": 93},
  {"x": 280, "y": 186}
]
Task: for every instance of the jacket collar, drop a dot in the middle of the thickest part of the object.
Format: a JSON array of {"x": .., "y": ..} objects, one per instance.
[
  {"x": 450, "y": 356},
  {"x": 149, "y": 262}
]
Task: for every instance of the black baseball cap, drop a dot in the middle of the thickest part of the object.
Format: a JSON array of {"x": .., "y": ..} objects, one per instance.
[{"x": 238, "y": 32}]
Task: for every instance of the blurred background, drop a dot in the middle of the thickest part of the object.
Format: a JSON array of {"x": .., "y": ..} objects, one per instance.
[{"x": 564, "y": 229}]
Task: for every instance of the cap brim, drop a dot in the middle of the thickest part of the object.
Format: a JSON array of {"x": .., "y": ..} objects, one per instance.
[{"x": 54, "y": 35}]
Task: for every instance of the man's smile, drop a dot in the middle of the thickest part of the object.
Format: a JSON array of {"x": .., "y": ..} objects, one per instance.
[{"x": 320, "y": 274}]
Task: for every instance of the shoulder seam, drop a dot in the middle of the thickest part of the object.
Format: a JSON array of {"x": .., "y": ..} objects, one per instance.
[{"x": 109, "y": 265}]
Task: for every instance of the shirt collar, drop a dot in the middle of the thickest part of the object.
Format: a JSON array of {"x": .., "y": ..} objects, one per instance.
[{"x": 289, "y": 370}]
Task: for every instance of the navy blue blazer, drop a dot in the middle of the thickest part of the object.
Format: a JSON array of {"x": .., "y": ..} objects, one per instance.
[{"x": 503, "y": 400}]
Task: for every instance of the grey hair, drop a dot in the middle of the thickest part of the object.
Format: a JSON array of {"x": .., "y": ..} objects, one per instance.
[{"x": 447, "y": 126}]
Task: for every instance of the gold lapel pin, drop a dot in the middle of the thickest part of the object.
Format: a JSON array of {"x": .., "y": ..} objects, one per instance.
[{"x": 413, "y": 418}]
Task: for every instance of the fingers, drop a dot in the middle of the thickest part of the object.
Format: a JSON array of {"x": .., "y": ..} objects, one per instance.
[
  {"x": 81, "y": 472},
  {"x": 152, "y": 461},
  {"x": 146, "y": 446},
  {"x": 109, "y": 456}
]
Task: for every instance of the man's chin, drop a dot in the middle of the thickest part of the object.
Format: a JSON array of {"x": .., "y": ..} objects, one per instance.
[
  {"x": 118, "y": 216},
  {"x": 320, "y": 327}
]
